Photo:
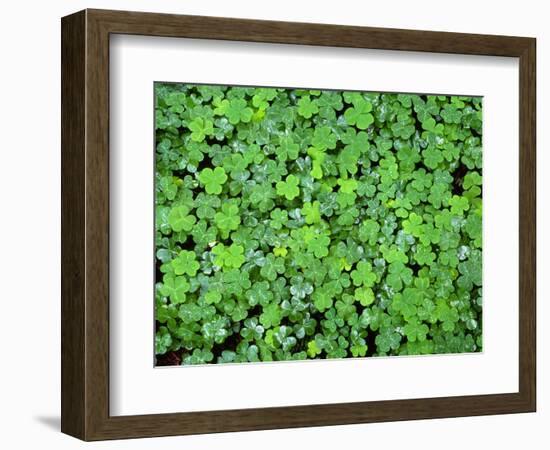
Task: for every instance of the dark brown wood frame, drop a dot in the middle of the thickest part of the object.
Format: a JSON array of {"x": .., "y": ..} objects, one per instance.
[{"x": 85, "y": 224}]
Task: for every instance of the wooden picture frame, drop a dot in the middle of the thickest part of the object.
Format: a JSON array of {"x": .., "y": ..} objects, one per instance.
[{"x": 85, "y": 224}]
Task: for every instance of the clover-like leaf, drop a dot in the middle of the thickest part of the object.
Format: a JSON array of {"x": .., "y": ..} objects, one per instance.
[
  {"x": 318, "y": 245},
  {"x": 271, "y": 315},
  {"x": 236, "y": 110},
  {"x": 360, "y": 114},
  {"x": 213, "y": 179},
  {"x": 232, "y": 256},
  {"x": 180, "y": 219},
  {"x": 288, "y": 188},
  {"x": 387, "y": 340},
  {"x": 273, "y": 266},
  {"x": 307, "y": 107},
  {"x": 471, "y": 271},
  {"x": 432, "y": 157},
  {"x": 459, "y": 205},
  {"x": 228, "y": 218},
  {"x": 259, "y": 294},
  {"x": 252, "y": 329},
  {"x": 412, "y": 225},
  {"x": 363, "y": 275},
  {"x": 415, "y": 330},
  {"x": 175, "y": 288},
  {"x": 322, "y": 300},
  {"x": 206, "y": 205},
  {"x": 200, "y": 128},
  {"x": 287, "y": 149},
  {"x": 323, "y": 138},
  {"x": 398, "y": 275},
  {"x": 185, "y": 263},
  {"x": 311, "y": 212},
  {"x": 365, "y": 295}
]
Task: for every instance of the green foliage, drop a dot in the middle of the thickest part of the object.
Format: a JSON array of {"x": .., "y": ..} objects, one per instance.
[
  {"x": 306, "y": 224},
  {"x": 289, "y": 187},
  {"x": 213, "y": 179}
]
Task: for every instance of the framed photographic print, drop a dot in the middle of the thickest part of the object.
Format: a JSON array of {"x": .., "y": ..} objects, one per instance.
[{"x": 273, "y": 224}]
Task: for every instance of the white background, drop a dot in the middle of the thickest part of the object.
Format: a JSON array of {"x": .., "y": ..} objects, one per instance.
[
  {"x": 137, "y": 387},
  {"x": 30, "y": 167}
]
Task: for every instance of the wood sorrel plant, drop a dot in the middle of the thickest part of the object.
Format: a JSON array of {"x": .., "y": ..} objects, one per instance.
[{"x": 297, "y": 224}]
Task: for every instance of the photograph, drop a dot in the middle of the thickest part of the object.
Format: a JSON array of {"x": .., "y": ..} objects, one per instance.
[{"x": 295, "y": 223}]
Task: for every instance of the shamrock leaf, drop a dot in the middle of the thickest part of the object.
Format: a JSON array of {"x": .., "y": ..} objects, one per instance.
[
  {"x": 259, "y": 294},
  {"x": 185, "y": 263},
  {"x": 318, "y": 245},
  {"x": 439, "y": 195},
  {"x": 200, "y": 128},
  {"x": 231, "y": 256},
  {"x": 199, "y": 356},
  {"x": 404, "y": 127},
  {"x": 215, "y": 331},
  {"x": 406, "y": 303},
  {"x": 311, "y": 212},
  {"x": 451, "y": 114},
  {"x": 360, "y": 114},
  {"x": 415, "y": 330},
  {"x": 312, "y": 349},
  {"x": 458, "y": 205},
  {"x": 347, "y": 160},
  {"x": 363, "y": 275},
  {"x": 236, "y": 110},
  {"x": 163, "y": 341},
  {"x": 470, "y": 270},
  {"x": 425, "y": 109},
  {"x": 387, "y": 340},
  {"x": 471, "y": 179},
  {"x": 287, "y": 149},
  {"x": 212, "y": 296},
  {"x": 323, "y": 138},
  {"x": 365, "y": 295},
  {"x": 278, "y": 218},
  {"x": 307, "y": 107},
  {"x": 271, "y": 315},
  {"x": 228, "y": 218},
  {"x": 273, "y": 265},
  {"x": 322, "y": 300},
  {"x": 300, "y": 288},
  {"x": 263, "y": 96},
  {"x": 252, "y": 329},
  {"x": 206, "y": 205},
  {"x": 408, "y": 157},
  {"x": 432, "y": 157},
  {"x": 180, "y": 219},
  {"x": 424, "y": 255},
  {"x": 431, "y": 125},
  {"x": 398, "y": 274},
  {"x": 175, "y": 288},
  {"x": 412, "y": 225},
  {"x": 213, "y": 179},
  {"x": 288, "y": 188},
  {"x": 447, "y": 315},
  {"x": 347, "y": 186},
  {"x": 368, "y": 231},
  {"x": 345, "y": 307},
  {"x": 169, "y": 187}
]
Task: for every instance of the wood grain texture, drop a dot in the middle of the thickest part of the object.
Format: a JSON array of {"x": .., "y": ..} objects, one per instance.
[
  {"x": 527, "y": 224},
  {"x": 85, "y": 224},
  {"x": 73, "y": 273}
]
